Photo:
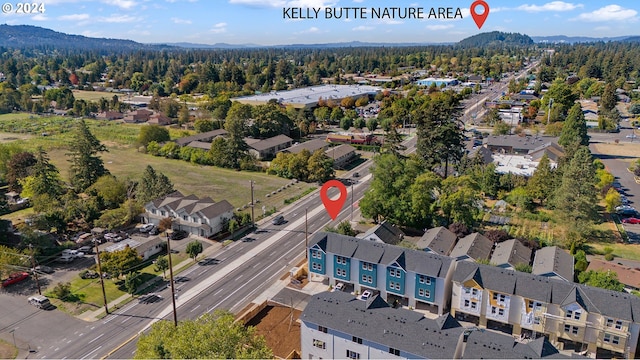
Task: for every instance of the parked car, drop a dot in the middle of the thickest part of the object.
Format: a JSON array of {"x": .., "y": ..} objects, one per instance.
[
  {"x": 339, "y": 287},
  {"x": 356, "y": 174},
  {"x": 39, "y": 301},
  {"x": 146, "y": 228},
  {"x": 178, "y": 235},
  {"x": 43, "y": 269},
  {"x": 631, "y": 220},
  {"x": 278, "y": 220},
  {"x": 366, "y": 295},
  {"x": 154, "y": 231},
  {"x": 86, "y": 249},
  {"x": 15, "y": 278}
]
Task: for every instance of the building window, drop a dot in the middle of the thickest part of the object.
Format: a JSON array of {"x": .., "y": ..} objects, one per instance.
[
  {"x": 185, "y": 217},
  {"x": 352, "y": 355},
  {"x": 500, "y": 312},
  {"x": 395, "y": 272},
  {"x": 574, "y": 330},
  {"x": 474, "y": 291},
  {"x": 493, "y": 309},
  {"x": 502, "y": 297},
  {"x": 467, "y": 291},
  {"x": 616, "y": 340},
  {"x": 567, "y": 328},
  {"x": 367, "y": 266},
  {"x": 424, "y": 293},
  {"x": 367, "y": 279},
  {"x": 609, "y": 322},
  {"x": 316, "y": 266},
  {"x": 425, "y": 280},
  {"x": 341, "y": 260},
  {"x": 356, "y": 339},
  {"x": 319, "y": 344},
  {"x": 576, "y": 315},
  {"x": 341, "y": 272},
  {"x": 495, "y": 296},
  {"x": 163, "y": 213},
  {"x": 467, "y": 303},
  {"x": 536, "y": 320},
  {"x": 569, "y": 314},
  {"x": 474, "y": 305},
  {"x": 618, "y": 324},
  {"x": 322, "y": 329},
  {"x": 153, "y": 211},
  {"x": 607, "y": 338},
  {"x": 395, "y": 352}
]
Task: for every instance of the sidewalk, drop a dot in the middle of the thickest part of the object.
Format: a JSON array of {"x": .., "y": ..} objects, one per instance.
[{"x": 99, "y": 313}]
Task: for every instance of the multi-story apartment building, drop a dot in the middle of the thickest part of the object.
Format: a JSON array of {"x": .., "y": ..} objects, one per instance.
[
  {"x": 583, "y": 318},
  {"x": 412, "y": 277}
]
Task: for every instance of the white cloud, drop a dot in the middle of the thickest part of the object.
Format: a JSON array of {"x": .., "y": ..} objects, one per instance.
[
  {"x": 439, "y": 27},
  {"x": 311, "y": 30},
  {"x": 116, "y": 18},
  {"x": 89, "y": 33},
  {"x": 550, "y": 6},
  {"x": 284, "y": 3},
  {"x": 180, "y": 21},
  {"x": 175, "y": 1},
  {"x": 609, "y": 13},
  {"x": 40, "y": 17},
  {"x": 219, "y": 28},
  {"x": 363, "y": 28},
  {"x": 123, "y": 4},
  {"x": 74, "y": 17}
]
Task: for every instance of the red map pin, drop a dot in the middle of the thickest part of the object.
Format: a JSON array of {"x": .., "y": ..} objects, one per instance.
[
  {"x": 479, "y": 18},
  {"x": 333, "y": 207}
]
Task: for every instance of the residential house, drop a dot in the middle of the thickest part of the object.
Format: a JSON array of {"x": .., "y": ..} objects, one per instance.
[
  {"x": 267, "y": 148},
  {"x": 138, "y": 116},
  {"x": 206, "y": 137},
  {"x": 311, "y": 146},
  {"x": 630, "y": 277},
  {"x": 552, "y": 261},
  {"x": 203, "y": 217},
  {"x": 341, "y": 155},
  {"x": 159, "y": 119},
  {"x": 149, "y": 248},
  {"x": 515, "y": 144},
  {"x": 572, "y": 316},
  {"x": 475, "y": 78},
  {"x": 483, "y": 153},
  {"x": 526, "y": 98},
  {"x": 438, "y": 240},
  {"x": 553, "y": 151},
  {"x": 384, "y": 232},
  {"x": 412, "y": 277},
  {"x": 472, "y": 247},
  {"x": 508, "y": 254},
  {"x": 109, "y": 115},
  {"x": 335, "y": 325}
]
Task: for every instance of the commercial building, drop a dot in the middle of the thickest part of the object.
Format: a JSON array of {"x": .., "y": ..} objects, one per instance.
[{"x": 308, "y": 97}]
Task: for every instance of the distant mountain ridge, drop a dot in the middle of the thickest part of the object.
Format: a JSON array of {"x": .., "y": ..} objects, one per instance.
[
  {"x": 576, "y": 39},
  {"x": 495, "y": 38},
  {"x": 319, "y": 46}
]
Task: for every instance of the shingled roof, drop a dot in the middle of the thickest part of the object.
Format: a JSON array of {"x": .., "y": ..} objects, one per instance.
[{"x": 439, "y": 240}]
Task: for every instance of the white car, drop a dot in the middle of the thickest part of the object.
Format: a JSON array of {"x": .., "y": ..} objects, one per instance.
[
  {"x": 631, "y": 136},
  {"x": 366, "y": 295},
  {"x": 146, "y": 228},
  {"x": 339, "y": 287}
]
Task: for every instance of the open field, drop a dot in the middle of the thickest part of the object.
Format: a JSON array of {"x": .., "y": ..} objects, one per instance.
[
  {"x": 6, "y": 137},
  {"x": 626, "y": 251},
  {"x": 94, "y": 95},
  {"x": 630, "y": 151}
]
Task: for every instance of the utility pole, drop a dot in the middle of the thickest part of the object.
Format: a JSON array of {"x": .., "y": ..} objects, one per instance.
[
  {"x": 173, "y": 291},
  {"x": 306, "y": 234},
  {"x": 253, "y": 221},
  {"x": 33, "y": 266},
  {"x": 549, "y": 111},
  {"x": 351, "y": 201},
  {"x": 104, "y": 294}
]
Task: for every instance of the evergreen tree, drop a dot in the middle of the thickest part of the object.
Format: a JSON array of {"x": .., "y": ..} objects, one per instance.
[
  {"x": 153, "y": 185},
  {"x": 609, "y": 98},
  {"x": 540, "y": 186},
  {"x": 44, "y": 178},
  {"x": 576, "y": 198},
  {"x": 393, "y": 141},
  {"x": 86, "y": 166},
  {"x": 574, "y": 130}
]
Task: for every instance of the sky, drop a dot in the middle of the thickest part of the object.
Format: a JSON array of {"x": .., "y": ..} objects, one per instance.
[{"x": 279, "y": 22}]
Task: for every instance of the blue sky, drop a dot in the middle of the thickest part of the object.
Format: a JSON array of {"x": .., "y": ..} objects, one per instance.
[{"x": 261, "y": 21}]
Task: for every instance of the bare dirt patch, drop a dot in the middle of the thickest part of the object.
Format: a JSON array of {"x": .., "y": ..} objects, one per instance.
[
  {"x": 280, "y": 328},
  {"x": 7, "y": 351},
  {"x": 9, "y": 137},
  {"x": 628, "y": 150}
]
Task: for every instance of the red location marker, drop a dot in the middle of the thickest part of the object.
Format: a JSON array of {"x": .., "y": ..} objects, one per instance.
[
  {"x": 479, "y": 18},
  {"x": 333, "y": 207}
]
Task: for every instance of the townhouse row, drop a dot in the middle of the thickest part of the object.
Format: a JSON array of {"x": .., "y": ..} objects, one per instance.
[{"x": 569, "y": 315}]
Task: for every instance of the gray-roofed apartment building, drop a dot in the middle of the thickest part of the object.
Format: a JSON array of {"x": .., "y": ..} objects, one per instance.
[
  {"x": 267, "y": 148},
  {"x": 308, "y": 97},
  {"x": 554, "y": 262},
  {"x": 311, "y": 146}
]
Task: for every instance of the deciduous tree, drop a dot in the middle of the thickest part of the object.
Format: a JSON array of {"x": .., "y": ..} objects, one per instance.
[
  {"x": 149, "y": 133},
  {"x": 194, "y": 248}
]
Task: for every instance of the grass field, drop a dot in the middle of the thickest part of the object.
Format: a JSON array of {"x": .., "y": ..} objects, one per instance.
[
  {"x": 93, "y": 95},
  {"x": 626, "y": 251}
]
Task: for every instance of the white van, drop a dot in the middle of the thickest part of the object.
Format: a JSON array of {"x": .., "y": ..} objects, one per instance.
[
  {"x": 65, "y": 258},
  {"x": 39, "y": 301}
]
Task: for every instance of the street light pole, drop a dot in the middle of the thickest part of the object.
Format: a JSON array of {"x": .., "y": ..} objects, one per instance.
[
  {"x": 33, "y": 266},
  {"x": 351, "y": 201},
  {"x": 173, "y": 291},
  {"x": 13, "y": 332},
  {"x": 306, "y": 234},
  {"x": 104, "y": 293},
  {"x": 253, "y": 221}
]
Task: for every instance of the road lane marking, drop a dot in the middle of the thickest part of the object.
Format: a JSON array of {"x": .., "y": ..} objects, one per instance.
[
  {"x": 91, "y": 353},
  {"x": 97, "y": 337},
  {"x": 194, "y": 309}
]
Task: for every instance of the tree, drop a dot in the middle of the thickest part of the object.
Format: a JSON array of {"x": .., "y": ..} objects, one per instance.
[
  {"x": 501, "y": 128},
  {"x": 562, "y": 95},
  {"x": 459, "y": 200},
  {"x": 225, "y": 339},
  {"x": 540, "y": 184},
  {"x": 153, "y": 185},
  {"x": 612, "y": 200},
  {"x": 346, "y": 123},
  {"x": 86, "y": 167},
  {"x": 372, "y": 124},
  {"x": 492, "y": 117},
  {"x": 120, "y": 262},
  {"x": 343, "y": 228},
  {"x": 602, "y": 279},
  {"x": 609, "y": 99},
  {"x": 149, "y": 133},
  {"x": 132, "y": 281},
  {"x": 62, "y": 290},
  {"x": 193, "y": 249},
  {"x": 111, "y": 191},
  {"x": 520, "y": 198},
  {"x": 202, "y": 125},
  {"x": 320, "y": 167},
  {"x": 162, "y": 264},
  {"x": 18, "y": 168},
  {"x": 574, "y": 130}
]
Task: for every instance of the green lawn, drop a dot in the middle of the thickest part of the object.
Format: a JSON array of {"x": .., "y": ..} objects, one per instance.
[{"x": 626, "y": 251}]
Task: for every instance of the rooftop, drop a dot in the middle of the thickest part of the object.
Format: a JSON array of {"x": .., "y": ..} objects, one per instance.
[{"x": 309, "y": 96}]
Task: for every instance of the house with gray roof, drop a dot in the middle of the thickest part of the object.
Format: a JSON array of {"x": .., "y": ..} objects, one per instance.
[
  {"x": 412, "y": 277},
  {"x": 311, "y": 146},
  {"x": 341, "y": 155},
  {"x": 602, "y": 322},
  {"x": 483, "y": 344},
  {"x": 438, "y": 240},
  {"x": 510, "y": 253},
  {"x": 205, "y": 137},
  {"x": 335, "y": 325},
  {"x": 384, "y": 232},
  {"x": 515, "y": 144},
  {"x": 203, "y": 217},
  {"x": 553, "y": 261},
  {"x": 472, "y": 247},
  {"x": 267, "y": 148}
]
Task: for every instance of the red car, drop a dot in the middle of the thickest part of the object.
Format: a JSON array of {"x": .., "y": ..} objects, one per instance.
[
  {"x": 631, "y": 220},
  {"x": 15, "y": 278}
]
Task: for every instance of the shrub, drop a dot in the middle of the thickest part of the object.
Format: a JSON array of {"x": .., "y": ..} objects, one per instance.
[
  {"x": 62, "y": 290},
  {"x": 609, "y": 257}
]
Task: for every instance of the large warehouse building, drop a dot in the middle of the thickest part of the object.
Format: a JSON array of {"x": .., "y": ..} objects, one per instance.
[{"x": 308, "y": 97}]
